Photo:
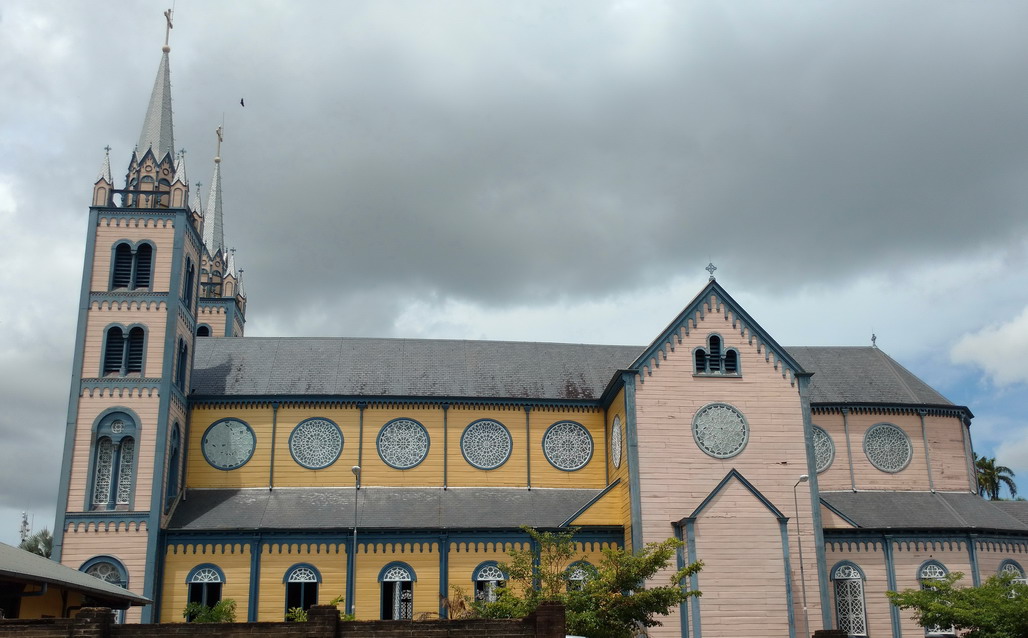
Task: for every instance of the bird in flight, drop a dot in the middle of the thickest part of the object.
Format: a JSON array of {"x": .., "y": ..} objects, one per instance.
[{"x": 241, "y": 103}]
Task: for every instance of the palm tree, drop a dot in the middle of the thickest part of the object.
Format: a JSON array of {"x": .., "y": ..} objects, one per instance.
[
  {"x": 992, "y": 477},
  {"x": 40, "y": 543}
]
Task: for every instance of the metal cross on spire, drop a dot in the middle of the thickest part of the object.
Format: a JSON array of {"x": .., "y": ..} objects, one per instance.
[
  {"x": 167, "y": 29},
  {"x": 221, "y": 138},
  {"x": 108, "y": 149},
  {"x": 711, "y": 268}
]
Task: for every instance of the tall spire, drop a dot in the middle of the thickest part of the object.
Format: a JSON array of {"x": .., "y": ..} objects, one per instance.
[
  {"x": 214, "y": 226},
  {"x": 157, "y": 129},
  {"x": 105, "y": 169}
]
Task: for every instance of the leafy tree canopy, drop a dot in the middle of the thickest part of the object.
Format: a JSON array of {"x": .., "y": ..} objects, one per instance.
[
  {"x": 41, "y": 543},
  {"x": 611, "y": 602},
  {"x": 222, "y": 611},
  {"x": 998, "y": 608},
  {"x": 992, "y": 478}
]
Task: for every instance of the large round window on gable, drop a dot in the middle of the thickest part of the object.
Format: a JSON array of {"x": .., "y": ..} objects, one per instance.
[
  {"x": 888, "y": 447},
  {"x": 720, "y": 430}
]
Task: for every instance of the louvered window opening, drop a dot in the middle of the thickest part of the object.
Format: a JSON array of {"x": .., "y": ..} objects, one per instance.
[
  {"x": 124, "y": 354},
  {"x": 132, "y": 269},
  {"x": 714, "y": 359}
]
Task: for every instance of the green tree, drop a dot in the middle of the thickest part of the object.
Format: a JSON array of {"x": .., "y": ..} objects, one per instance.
[
  {"x": 611, "y": 602},
  {"x": 41, "y": 543},
  {"x": 998, "y": 608},
  {"x": 992, "y": 477},
  {"x": 222, "y": 611}
]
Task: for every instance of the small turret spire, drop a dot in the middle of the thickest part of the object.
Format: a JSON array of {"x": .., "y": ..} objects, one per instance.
[
  {"x": 196, "y": 205},
  {"x": 105, "y": 169},
  {"x": 180, "y": 167},
  {"x": 214, "y": 226},
  {"x": 157, "y": 131}
]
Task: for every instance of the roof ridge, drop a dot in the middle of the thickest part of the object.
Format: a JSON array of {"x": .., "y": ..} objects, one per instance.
[{"x": 894, "y": 368}]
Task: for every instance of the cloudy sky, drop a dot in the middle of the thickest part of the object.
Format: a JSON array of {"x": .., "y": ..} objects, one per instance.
[{"x": 555, "y": 171}]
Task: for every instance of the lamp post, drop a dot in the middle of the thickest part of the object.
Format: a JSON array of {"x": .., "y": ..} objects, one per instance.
[
  {"x": 356, "y": 469},
  {"x": 799, "y": 543}
]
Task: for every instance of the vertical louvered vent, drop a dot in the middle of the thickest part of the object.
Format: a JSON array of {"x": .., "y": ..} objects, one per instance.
[
  {"x": 122, "y": 267},
  {"x": 114, "y": 351},
  {"x": 144, "y": 255},
  {"x": 135, "y": 351}
]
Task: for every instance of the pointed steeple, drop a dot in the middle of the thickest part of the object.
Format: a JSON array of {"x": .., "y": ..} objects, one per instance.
[
  {"x": 157, "y": 131},
  {"x": 214, "y": 226},
  {"x": 105, "y": 169},
  {"x": 180, "y": 167},
  {"x": 195, "y": 204}
]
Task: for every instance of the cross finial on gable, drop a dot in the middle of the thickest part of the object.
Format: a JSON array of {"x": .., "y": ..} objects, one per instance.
[
  {"x": 874, "y": 338},
  {"x": 108, "y": 149},
  {"x": 711, "y": 268}
]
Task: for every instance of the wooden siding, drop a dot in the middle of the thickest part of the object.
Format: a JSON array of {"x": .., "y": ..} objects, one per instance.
[
  {"x": 180, "y": 559},
  {"x": 278, "y": 558},
  {"x": 126, "y": 544}
]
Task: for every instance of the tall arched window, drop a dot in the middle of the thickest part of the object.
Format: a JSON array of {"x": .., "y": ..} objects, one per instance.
[
  {"x": 203, "y": 331},
  {"x": 397, "y": 591},
  {"x": 182, "y": 365},
  {"x": 487, "y": 578},
  {"x": 301, "y": 587},
  {"x": 205, "y": 582},
  {"x": 114, "y": 462},
  {"x": 121, "y": 271},
  {"x": 124, "y": 352},
  {"x": 850, "y": 612},
  {"x": 189, "y": 279},
  {"x": 174, "y": 461},
  {"x": 144, "y": 266},
  {"x": 1014, "y": 569},
  {"x": 929, "y": 571}
]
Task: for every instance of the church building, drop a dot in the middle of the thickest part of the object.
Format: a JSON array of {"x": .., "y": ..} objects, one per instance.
[{"x": 201, "y": 464}]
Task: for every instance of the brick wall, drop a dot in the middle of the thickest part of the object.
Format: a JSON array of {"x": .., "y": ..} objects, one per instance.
[{"x": 547, "y": 622}]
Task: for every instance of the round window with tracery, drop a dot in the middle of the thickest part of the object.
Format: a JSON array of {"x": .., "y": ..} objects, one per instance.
[
  {"x": 615, "y": 442},
  {"x": 486, "y": 444},
  {"x": 567, "y": 445},
  {"x": 316, "y": 443},
  {"x": 824, "y": 449},
  {"x": 720, "y": 430},
  {"x": 888, "y": 447},
  {"x": 403, "y": 443}
]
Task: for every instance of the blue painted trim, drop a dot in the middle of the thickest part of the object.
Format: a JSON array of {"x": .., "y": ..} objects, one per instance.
[
  {"x": 890, "y": 577},
  {"x": 444, "y": 573},
  {"x": 607, "y": 426},
  {"x": 683, "y": 608},
  {"x": 360, "y": 438},
  {"x": 351, "y": 560},
  {"x": 803, "y": 383},
  {"x": 839, "y": 513},
  {"x": 342, "y": 443},
  {"x": 488, "y": 563},
  {"x": 694, "y": 579},
  {"x": 528, "y": 446},
  {"x": 105, "y": 517},
  {"x": 203, "y": 446},
  {"x": 591, "y": 502},
  {"x": 71, "y": 422},
  {"x": 594, "y": 534},
  {"x": 906, "y": 409},
  {"x": 397, "y": 563},
  {"x": 446, "y": 456},
  {"x": 274, "y": 439},
  {"x": 632, "y": 434},
  {"x": 734, "y": 474},
  {"x": 192, "y": 572},
  {"x": 336, "y": 399},
  {"x": 849, "y": 445},
  {"x": 927, "y": 452},
  {"x": 255, "y": 579},
  {"x": 972, "y": 557},
  {"x": 288, "y": 572},
  {"x": 510, "y": 449},
  {"x": 653, "y": 354},
  {"x": 182, "y": 219},
  {"x": 592, "y": 445},
  {"x": 783, "y": 526},
  {"x": 428, "y": 443}
]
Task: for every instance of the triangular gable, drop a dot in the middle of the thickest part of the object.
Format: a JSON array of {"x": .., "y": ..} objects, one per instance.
[
  {"x": 734, "y": 474},
  {"x": 741, "y": 320}
]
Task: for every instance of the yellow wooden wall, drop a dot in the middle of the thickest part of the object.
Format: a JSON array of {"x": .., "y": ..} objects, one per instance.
[
  {"x": 180, "y": 558},
  {"x": 278, "y": 558},
  {"x": 422, "y": 557},
  {"x": 375, "y": 472}
]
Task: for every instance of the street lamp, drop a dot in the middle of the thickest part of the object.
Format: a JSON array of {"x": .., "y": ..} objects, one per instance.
[
  {"x": 356, "y": 469},
  {"x": 799, "y": 543}
]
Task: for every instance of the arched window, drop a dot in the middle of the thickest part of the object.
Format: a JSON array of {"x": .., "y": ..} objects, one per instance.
[
  {"x": 205, "y": 582},
  {"x": 715, "y": 359},
  {"x": 110, "y": 570},
  {"x": 203, "y": 331},
  {"x": 1014, "y": 569},
  {"x": 301, "y": 587},
  {"x": 124, "y": 352},
  {"x": 577, "y": 574},
  {"x": 114, "y": 462},
  {"x": 121, "y": 270},
  {"x": 174, "y": 461},
  {"x": 850, "y": 612},
  {"x": 189, "y": 282},
  {"x": 182, "y": 365},
  {"x": 397, "y": 591},
  {"x": 487, "y": 578},
  {"x": 144, "y": 266},
  {"x": 929, "y": 571}
]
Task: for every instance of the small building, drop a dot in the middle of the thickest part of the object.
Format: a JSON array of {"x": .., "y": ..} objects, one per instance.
[{"x": 35, "y": 587}]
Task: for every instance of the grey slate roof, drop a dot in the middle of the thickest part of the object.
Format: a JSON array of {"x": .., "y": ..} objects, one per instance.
[
  {"x": 18, "y": 565},
  {"x": 249, "y": 366},
  {"x": 297, "y": 366},
  {"x": 861, "y": 374},
  {"x": 157, "y": 130},
  {"x": 378, "y": 508},
  {"x": 1017, "y": 509},
  {"x": 921, "y": 510}
]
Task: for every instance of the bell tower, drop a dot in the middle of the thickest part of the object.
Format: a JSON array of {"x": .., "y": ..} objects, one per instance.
[{"x": 121, "y": 474}]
